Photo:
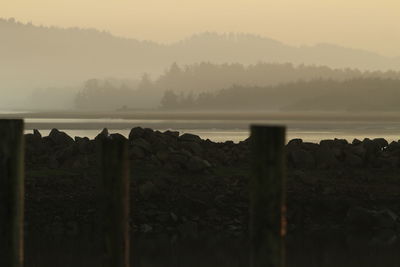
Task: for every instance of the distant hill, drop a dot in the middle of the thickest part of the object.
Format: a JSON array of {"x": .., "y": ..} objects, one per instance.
[{"x": 40, "y": 57}]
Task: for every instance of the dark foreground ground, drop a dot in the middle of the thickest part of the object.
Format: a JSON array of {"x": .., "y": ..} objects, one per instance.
[{"x": 185, "y": 188}]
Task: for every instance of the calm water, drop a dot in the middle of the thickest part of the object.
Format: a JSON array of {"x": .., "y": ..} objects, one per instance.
[{"x": 220, "y": 131}]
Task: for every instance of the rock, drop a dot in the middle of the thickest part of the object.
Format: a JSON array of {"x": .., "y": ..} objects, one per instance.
[
  {"x": 301, "y": 158},
  {"x": 353, "y": 160},
  {"x": 148, "y": 190},
  {"x": 193, "y": 147},
  {"x": 371, "y": 146},
  {"x": 356, "y": 142},
  {"x": 178, "y": 158},
  {"x": 340, "y": 142},
  {"x": 394, "y": 147},
  {"x": 60, "y": 138},
  {"x": 145, "y": 228},
  {"x": 117, "y": 136},
  {"x": 72, "y": 228},
  {"x": 163, "y": 155},
  {"x": 196, "y": 164},
  {"x": 326, "y": 142},
  {"x": 80, "y": 162},
  {"x": 384, "y": 237},
  {"x": 358, "y": 150},
  {"x": 173, "y": 216},
  {"x": 362, "y": 218},
  {"x": 34, "y": 139},
  {"x": 136, "y": 152},
  {"x": 137, "y": 132},
  {"x": 83, "y": 145},
  {"x": 311, "y": 147},
  {"x": 308, "y": 180},
  {"x": 52, "y": 162},
  {"x": 65, "y": 154},
  {"x": 295, "y": 142},
  {"x": 102, "y": 135},
  {"x": 325, "y": 157},
  {"x": 189, "y": 138},
  {"x": 36, "y": 133},
  {"x": 140, "y": 142},
  {"x": 380, "y": 142},
  {"x": 334, "y": 143},
  {"x": 149, "y": 135},
  {"x": 174, "y": 134},
  {"x": 386, "y": 219},
  {"x": 188, "y": 229}
]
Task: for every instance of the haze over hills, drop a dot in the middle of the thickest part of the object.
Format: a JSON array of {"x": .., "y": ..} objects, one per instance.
[{"x": 50, "y": 57}]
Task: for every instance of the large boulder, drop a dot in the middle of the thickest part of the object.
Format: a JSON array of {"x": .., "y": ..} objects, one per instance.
[
  {"x": 295, "y": 142},
  {"x": 353, "y": 160},
  {"x": 137, "y": 132},
  {"x": 334, "y": 143},
  {"x": 301, "y": 158},
  {"x": 358, "y": 150},
  {"x": 190, "y": 137},
  {"x": 136, "y": 152},
  {"x": 177, "y": 158},
  {"x": 34, "y": 139},
  {"x": 196, "y": 164},
  {"x": 174, "y": 134},
  {"x": 325, "y": 157},
  {"x": 380, "y": 142},
  {"x": 362, "y": 218},
  {"x": 192, "y": 147},
  {"x": 83, "y": 144},
  {"x": 60, "y": 138},
  {"x": 117, "y": 136},
  {"x": 140, "y": 142},
  {"x": 104, "y": 134}
]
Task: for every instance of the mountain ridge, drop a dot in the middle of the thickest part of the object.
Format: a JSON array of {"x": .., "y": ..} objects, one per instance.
[{"x": 34, "y": 56}]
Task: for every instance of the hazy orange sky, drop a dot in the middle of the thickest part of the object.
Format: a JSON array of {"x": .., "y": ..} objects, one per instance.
[{"x": 367, "y": 24}]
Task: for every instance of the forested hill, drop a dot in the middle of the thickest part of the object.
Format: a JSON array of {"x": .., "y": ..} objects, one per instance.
[
  {"x": 37, "y": 56},
  {"x": 206, "y": 78},
  {"x": 361, "y": 94}
]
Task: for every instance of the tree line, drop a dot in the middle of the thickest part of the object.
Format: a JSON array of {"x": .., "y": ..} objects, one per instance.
[
  {"x": 359, "y": 94},
  {"x": 180, "y": 85}
]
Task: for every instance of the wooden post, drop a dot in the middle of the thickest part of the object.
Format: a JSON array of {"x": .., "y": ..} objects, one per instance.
[
  {"x": 114, "y": 203},
  {"x": 267, "y": 197},
  {"x": 11, "y": 192}
]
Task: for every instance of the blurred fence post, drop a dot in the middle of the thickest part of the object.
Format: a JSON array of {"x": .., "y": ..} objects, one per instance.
[
  {"x": 114, "y": 203},
  {"x": 267, "y": 196},
  {"x": 11, "y": 192}
]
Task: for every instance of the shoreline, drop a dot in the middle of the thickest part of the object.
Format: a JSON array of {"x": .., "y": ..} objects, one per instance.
[{"x": 349, "y": 116}]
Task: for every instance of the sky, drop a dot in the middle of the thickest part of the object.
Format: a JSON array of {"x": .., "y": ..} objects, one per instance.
[{"x": 370, "y": 25}]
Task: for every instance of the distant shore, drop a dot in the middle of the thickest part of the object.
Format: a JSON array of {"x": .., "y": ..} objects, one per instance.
[{"x": 209, "y": 115}]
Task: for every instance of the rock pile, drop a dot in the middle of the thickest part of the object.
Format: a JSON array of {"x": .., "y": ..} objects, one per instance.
[{"x": 184, "y": 185}]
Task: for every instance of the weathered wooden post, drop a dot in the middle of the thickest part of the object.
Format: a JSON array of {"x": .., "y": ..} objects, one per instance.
[
  {"x": 11, "y": 192},
  {"x": 267, "y": 196},
  {"x": 114, "y": 203}
]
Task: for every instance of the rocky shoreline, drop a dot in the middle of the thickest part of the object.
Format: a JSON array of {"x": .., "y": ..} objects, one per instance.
[{"x": 186, "y": 187}]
